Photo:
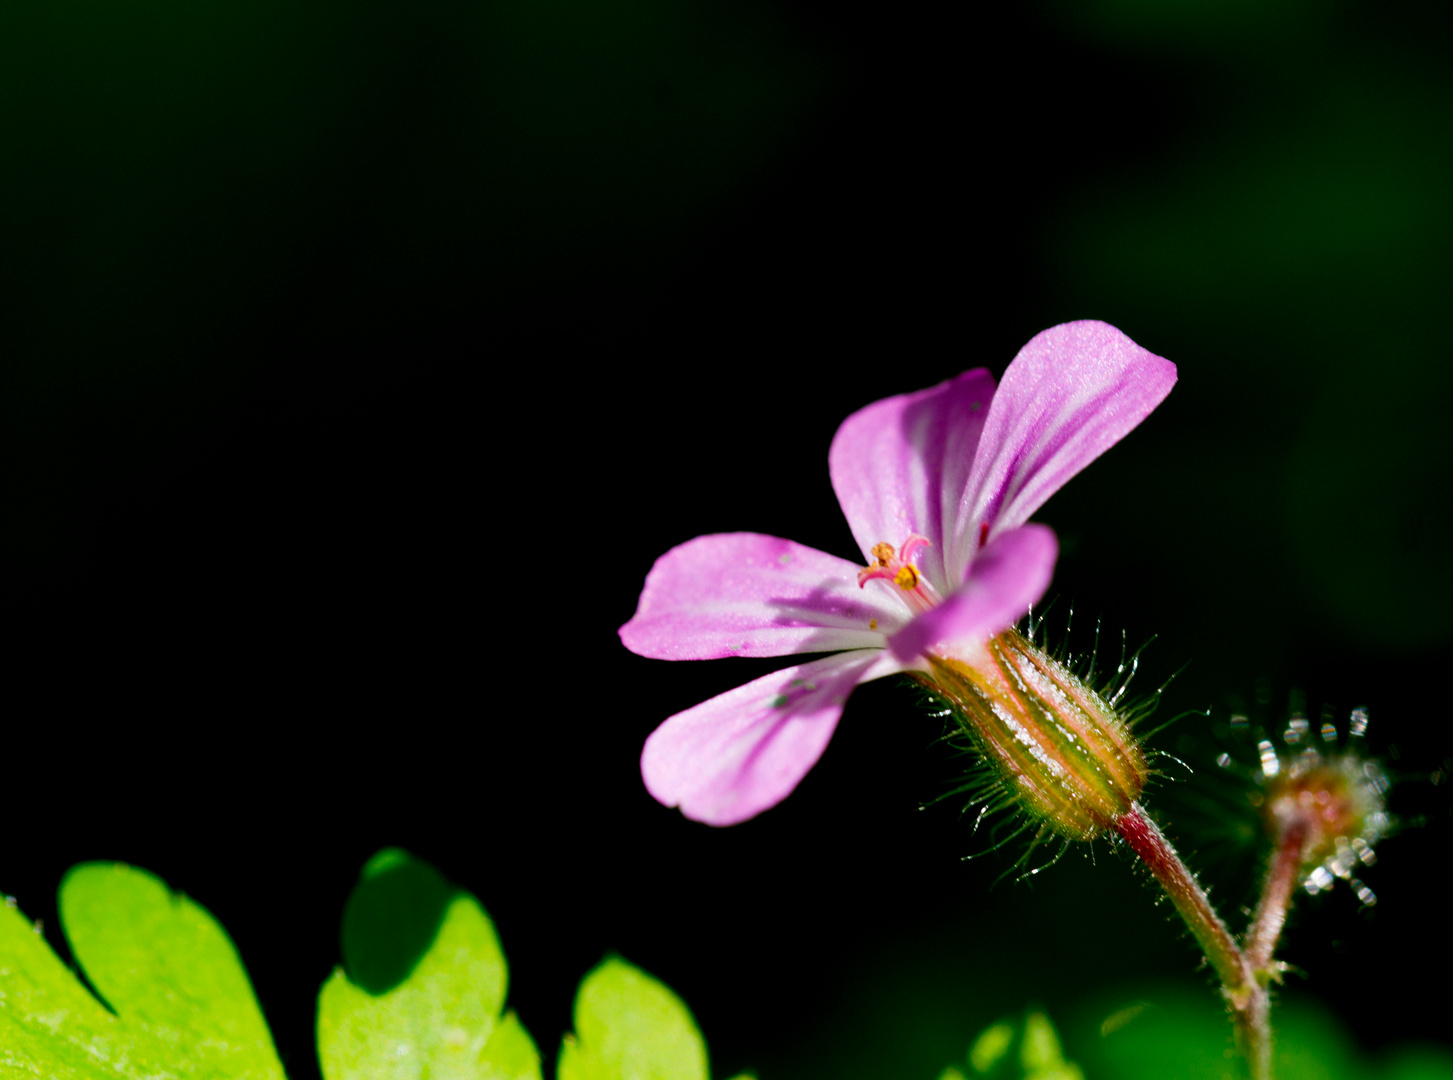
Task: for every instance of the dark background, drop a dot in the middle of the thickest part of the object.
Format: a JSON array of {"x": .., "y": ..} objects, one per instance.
[{"x": 358, "y": 360}]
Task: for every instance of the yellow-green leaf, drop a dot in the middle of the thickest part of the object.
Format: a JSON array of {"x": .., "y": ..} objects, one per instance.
[
  {"x": 184, "y": 1007},
  {"x": 991, "y": 1045},
  {"x": 440, "y": 1017},
  {"x": 629, "y": 1026}
]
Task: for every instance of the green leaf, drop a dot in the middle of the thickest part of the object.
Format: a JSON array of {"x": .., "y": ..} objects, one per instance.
[
  {"x": 991, "y": 1045},
  {"x": 392, "y": 918},
  {"x": 629, "y": 1026},
  {"x": 1040, "y": 1048},
  {"x": 1040, "y": 1054},
  {"x": 510, "y": 1053},
  {"x": 183, "y": 1006},
  {"x": 49, "y": 1024},
  {"x": 424, "y": 988},
  {"x": 1181, "y": 1030}
]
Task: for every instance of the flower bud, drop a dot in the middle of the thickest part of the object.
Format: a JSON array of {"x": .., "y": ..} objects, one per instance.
[
  {"x": 1333, "y": 799},
  {"x": 1059, "y": 748}
]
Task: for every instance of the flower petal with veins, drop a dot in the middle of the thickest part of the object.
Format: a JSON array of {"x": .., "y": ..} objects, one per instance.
[
  {"x": 900, "y": 466},
  {"x": 1008, "y": 576},
  {"x": 937, "y": 487},
  {"x": 1072, "y": 393},
  {"x": 733, "y": 756},
  {"x": 745, "y": 594}
]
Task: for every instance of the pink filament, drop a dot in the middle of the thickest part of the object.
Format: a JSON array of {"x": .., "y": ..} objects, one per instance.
[{"x": 922, "y": 596}]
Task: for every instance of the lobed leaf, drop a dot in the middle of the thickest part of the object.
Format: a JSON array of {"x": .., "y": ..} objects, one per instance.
[
  {"x": 439, "y": 1016},
  {"x": 181, "y": 1003},
  {"x": 420, "y": 995},
  {"x": 629, "y": 1026}
]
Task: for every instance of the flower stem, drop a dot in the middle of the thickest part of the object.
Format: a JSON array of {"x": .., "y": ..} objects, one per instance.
[
  {"x": 1160, "y": 858},
  {"x": 1245, "y": 994},
  {"x": 1276, "y": 893}
]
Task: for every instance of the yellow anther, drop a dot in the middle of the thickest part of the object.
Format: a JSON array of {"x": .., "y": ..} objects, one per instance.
[
  {"x": 872, "y": 624},
  {"x": 882, "y": 552},
  {"x": 906, "y": 579}
]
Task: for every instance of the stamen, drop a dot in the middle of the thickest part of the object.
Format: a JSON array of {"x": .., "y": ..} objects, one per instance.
[
  {"x": 869, "y": 573},
  {"x": 895, "y": 567},
  {"x": 911, "y": 547}
]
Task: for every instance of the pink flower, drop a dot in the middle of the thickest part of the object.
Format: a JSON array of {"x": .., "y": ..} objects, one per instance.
[{"x": 937, "y": 487}]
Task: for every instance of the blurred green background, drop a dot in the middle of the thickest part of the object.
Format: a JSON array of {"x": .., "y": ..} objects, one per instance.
[{"x": 359, "y": 359}]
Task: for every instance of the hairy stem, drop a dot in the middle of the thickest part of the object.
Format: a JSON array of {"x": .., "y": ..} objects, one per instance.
[
  {"x": 1160, "y": 858},
  {"x": 1277, "y": 891},
  {"x": 1245, "y": 994}
]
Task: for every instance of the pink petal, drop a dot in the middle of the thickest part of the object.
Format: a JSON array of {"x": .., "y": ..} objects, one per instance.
[
  {"x": 732, "y": 757},
  {"x": 900, "y": 465},
  {"x": 1006, "y": 577},
  {"x": 1071, "y": 393},
  {"x": 745, "y": 594}
]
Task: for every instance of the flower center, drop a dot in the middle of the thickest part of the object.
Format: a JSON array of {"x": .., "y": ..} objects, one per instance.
[{"x": 894, "y": 566}]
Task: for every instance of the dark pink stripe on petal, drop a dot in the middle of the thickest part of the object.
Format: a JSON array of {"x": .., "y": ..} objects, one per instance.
[{"x": 900, "y": 465}]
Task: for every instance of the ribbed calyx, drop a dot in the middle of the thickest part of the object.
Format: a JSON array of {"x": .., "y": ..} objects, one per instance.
[{"x": 1060, "y": 749}]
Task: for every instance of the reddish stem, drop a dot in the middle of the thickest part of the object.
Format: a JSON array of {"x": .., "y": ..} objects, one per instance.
[
  {"x": 1160, "y": 858},
  {"x": 1281, "y": 882},
  {"x": 1250, "y": 1004}
]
